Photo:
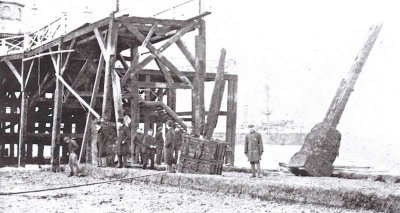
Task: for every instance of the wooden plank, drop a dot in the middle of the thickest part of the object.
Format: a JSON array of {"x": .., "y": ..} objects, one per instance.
[
  {"x": 216, "y": 99},
  {"x": 14, "y": 71},
  {"x": 39, "y": 91},
  {"x": 89, "y": 116},
  {"x": 188, "y": 55},
  {"x": 135, "y": 110},
  {"x": 231, "y": 120}
]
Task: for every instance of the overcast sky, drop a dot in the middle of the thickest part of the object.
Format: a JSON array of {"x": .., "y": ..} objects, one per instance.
[{"x": 302, "y": 49}]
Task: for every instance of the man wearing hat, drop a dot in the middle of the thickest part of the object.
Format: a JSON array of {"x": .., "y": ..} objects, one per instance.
[
  {"x": 253, "y": 149},
  {"x": 123, "y": 143},
  {"x": 178, "y": 142},
  {"x": 169, "y": 146},
  {"x": 73, "y": 156},
  {"x": 148, "y": 149},
  {"x": 136, "y": 146},
  {"x": 159, "y": 145}
]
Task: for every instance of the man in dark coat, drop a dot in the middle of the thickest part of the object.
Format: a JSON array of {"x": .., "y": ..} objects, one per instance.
[
  {"x": 253, "y": 149},
  {"x": 178, "y": 142},
  {"x": 136, "y": 146},
  {"x": 73, "y": 156},
  {"x": 169, "y": 146},
  {"x": 123, "y": 143},
  {"x": 105, "y": 133},
  {"x": 159, "y": 145},
  {"x": 148, "y": 149}
]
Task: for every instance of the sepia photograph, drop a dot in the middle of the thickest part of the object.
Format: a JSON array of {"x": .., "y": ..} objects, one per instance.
[{"x": 195, "y": 106}]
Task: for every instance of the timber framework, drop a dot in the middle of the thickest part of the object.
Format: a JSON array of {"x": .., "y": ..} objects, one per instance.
[{"x": 53, "y": 84}]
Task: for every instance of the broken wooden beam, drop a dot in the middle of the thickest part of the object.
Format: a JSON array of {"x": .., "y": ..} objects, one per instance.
[
  {"x": 321, "y": 145},
  {"x": 216, "y": 99}
]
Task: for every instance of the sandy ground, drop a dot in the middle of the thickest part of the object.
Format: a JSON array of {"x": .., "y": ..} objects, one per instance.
[{"x": 133, "y": 196}]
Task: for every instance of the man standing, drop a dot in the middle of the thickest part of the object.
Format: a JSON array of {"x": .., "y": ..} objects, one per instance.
[
  {"x": 123, "y": 143},
  {"x": 148, "y": 149},
  {"x": 73, "y": 156},
  {"x": 169, "y": 146},
  {"x": 136, "y": 146},
  {"x": 159, "y": 145},
  {"x": 178, "y": 142},
  {"x": 253, "y": 149}
]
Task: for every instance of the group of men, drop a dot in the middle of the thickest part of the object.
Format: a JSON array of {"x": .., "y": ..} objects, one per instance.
[
  {"x": 145, "y": 148},
  {"x": 152, "y": 147}
]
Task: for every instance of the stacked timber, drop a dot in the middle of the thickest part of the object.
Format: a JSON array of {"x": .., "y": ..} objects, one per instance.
[{"x": 200, "y": 156}]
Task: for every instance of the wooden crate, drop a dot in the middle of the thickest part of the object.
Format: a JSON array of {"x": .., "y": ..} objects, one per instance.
[{"x": 200, "y": 156}]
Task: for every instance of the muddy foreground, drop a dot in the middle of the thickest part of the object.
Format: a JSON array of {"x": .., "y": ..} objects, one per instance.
[{"x": 135, "y": 196}]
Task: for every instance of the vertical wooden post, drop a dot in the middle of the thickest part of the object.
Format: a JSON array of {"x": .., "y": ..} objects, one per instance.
[
  {"x": 135, "y": 111},
  {"x": 147, "y": 122},
  {"x": 198, "y": 109},
  {"x": 57, "y": 111},
  {"x": 23, "y": 120},
  {"x": 171, "y": 99},
  {"x": 231, "y": 120},
  {"x": 110, "y": 62}
]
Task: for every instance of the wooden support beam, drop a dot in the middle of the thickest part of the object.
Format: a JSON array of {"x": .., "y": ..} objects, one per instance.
[
  {"x": 156, "y": 52},
  {"x": 39, "y": 91},
  {"x": 188, "y": 55},
  {"x": 178, "y": 35},
  {"x": 171, "y": 98},
  {"x": 123, "y": 61},
  {"x": 110, "y": 64},
  {"x": 170, "y": 112},
  {"x": 23, "y": 120},
  {"x": 29, "y": 73},
  {"x": 147, "y": 122},
  {"x": 198, "y": 107},
  {"x": 231, "y": 120},
  {"x": 79, "y": 77},
  {"x": 117, "y": 96},
  {"x": 149, "y": 35},
  {"x": 162, "y": 85},
  {"x": 135, "y": 69},
  {"x": 101, "y": 42},
  {"x": 89, "y": 116},
  {"x": 57, "y": 111},
  {"x": 66, "y": 61},
  {"x": 14, "y": 71},
  {"x": 165, "y": 71},
  {"x": 216, "y": 99}
]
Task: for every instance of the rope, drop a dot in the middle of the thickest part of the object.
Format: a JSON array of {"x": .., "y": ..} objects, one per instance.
[{"x": 76, "y": 186}]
